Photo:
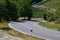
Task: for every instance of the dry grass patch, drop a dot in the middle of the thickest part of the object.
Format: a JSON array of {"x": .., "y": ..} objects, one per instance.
[{"x": 3, "y": 25}]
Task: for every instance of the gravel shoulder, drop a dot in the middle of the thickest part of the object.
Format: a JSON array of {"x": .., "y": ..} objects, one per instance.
[{"x": 4, "y": 36}]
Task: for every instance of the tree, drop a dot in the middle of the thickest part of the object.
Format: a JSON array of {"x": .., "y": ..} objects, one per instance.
[
  {"x": 2, "y": 9},
  {"x": 0, "y": 13},
  {"x": 11, "y": 11},
  {"x": 26, "y": 9}
]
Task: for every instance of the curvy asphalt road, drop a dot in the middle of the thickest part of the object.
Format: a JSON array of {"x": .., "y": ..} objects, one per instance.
[{"x": 38, "y": 31}]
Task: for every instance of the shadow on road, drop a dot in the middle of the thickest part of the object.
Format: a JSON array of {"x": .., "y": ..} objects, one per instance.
[
  {"x": 25, "y": 20},
  {"x": 34, "y": 20}
]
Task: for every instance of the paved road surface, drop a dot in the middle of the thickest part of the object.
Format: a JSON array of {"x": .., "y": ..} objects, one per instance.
[{"x": 38, "y": 31}]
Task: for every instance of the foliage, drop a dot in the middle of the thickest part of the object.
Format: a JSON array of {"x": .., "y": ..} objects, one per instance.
[
  {"x": 2, "y": 9},
  {"x": 55, "y": 5},
  {"x": 25, "y": 10},
  {"x": 8, "y": 10},
  {"x": 49, "y": 17},
  {"x": 12, "y": 9}
]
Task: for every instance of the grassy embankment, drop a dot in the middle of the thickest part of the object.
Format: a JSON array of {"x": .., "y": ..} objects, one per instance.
[
  {"x": 38, "y": 13},
  {"x": 55, "y": 4},
  {"x": 50, "y": 25}
]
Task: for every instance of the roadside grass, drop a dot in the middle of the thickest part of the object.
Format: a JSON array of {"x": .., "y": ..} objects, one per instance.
[
  {"x": 3, "y": 25},
  {"x": 5, "y": 28},
  {"x": 50, "y": 25}
]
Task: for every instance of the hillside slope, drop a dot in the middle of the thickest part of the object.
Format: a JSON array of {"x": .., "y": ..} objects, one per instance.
[{"x": 53, "y": 4}]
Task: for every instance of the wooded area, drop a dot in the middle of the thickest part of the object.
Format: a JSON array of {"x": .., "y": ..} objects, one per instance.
[{"x": 13, "y": 9}]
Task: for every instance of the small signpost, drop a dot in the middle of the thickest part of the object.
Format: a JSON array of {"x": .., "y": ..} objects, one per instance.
[{"x": 31, "y": 31}]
